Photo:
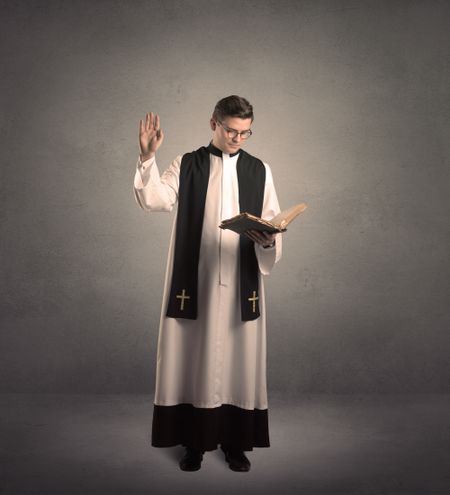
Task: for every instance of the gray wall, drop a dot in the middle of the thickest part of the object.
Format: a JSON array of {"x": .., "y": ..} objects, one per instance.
[{"x": 352, "y": 113}]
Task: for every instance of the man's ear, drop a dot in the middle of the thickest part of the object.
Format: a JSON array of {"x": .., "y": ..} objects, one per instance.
[{"x": 213, "y": 124}]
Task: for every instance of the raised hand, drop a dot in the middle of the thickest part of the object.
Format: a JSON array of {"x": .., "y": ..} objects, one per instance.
[{"x": 150, "y": 135}]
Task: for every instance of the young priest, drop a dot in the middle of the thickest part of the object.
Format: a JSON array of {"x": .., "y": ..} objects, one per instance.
[{"x": 211, "y": 359}]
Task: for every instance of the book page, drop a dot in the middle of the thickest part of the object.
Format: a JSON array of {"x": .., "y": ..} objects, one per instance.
[{"x": 286, "y": 216}]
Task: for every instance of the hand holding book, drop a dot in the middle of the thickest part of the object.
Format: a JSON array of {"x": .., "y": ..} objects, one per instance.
[
  {"x": 261, "y": 237},
  {"x": 245, "y": 221}
]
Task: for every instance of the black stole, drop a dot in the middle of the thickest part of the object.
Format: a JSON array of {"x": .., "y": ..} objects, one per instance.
[{"x": 193, "y": 185}]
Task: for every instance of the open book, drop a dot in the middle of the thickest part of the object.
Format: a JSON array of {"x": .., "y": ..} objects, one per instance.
[{"x": 244, "y": 221}]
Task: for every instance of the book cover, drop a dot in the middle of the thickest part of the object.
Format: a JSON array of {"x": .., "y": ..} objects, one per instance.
[{"x": 245, "y": 221}]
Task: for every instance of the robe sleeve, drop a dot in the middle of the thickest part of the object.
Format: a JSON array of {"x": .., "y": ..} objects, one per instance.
[
  {"x": 155, "y": 192},
  {"x": 267, "y": 257}
]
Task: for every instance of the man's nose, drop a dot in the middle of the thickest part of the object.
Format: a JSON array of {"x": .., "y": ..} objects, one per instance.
[{"x": 237, "y": 138}]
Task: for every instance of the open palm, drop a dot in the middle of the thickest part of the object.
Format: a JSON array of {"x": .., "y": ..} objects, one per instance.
[{"x": 151, "y": 135}]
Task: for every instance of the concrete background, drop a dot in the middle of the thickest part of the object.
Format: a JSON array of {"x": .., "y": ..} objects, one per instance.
[{"x": 352, "y": 112}]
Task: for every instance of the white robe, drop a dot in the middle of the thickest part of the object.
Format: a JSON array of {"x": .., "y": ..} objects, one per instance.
[{"x": 217, "y": 358}]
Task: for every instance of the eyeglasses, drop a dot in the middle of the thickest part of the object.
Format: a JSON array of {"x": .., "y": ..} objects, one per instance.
[{"x": 233, "y": 133}]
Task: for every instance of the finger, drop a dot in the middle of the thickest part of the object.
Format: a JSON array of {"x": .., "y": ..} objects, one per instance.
[
  {"x": 253, "y": 237},
  {"x": 262, "y": 237},
  {"x": 257, "y": 234},
  {"x": 157, "y": 123},
  {"x": 150, "y": 118},
  {"x": 141, "y": 127},
  {"x": 253, "y": 231}
]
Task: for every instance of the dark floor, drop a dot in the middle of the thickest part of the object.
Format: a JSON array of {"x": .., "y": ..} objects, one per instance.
[{"x": 323, "y": 444}]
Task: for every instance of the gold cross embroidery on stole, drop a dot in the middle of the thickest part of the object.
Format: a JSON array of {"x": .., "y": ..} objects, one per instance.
[
  {"x": 182, "y": 296},
  {"x": 253, "y": 299}
]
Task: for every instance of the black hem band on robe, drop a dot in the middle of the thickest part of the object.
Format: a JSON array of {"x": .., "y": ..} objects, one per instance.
[{"x": 205, "y": 428}]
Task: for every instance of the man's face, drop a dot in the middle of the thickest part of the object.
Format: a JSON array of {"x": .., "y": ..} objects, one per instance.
[{"x": 223, "y": 138}]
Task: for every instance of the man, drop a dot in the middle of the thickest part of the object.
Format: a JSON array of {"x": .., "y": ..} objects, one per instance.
[{"x": 211, "y": 357}]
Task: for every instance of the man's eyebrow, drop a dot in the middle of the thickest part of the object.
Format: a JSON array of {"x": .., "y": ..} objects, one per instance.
[{"x": 231, "y": 129}]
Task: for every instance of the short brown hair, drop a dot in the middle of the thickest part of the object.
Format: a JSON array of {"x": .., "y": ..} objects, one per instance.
[{"x": 233, "y": 106}]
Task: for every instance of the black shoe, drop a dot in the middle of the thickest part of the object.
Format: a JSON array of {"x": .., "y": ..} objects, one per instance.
[
  {"x": 192, "y": 460},
  {"x": 236, "y": 459}
]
